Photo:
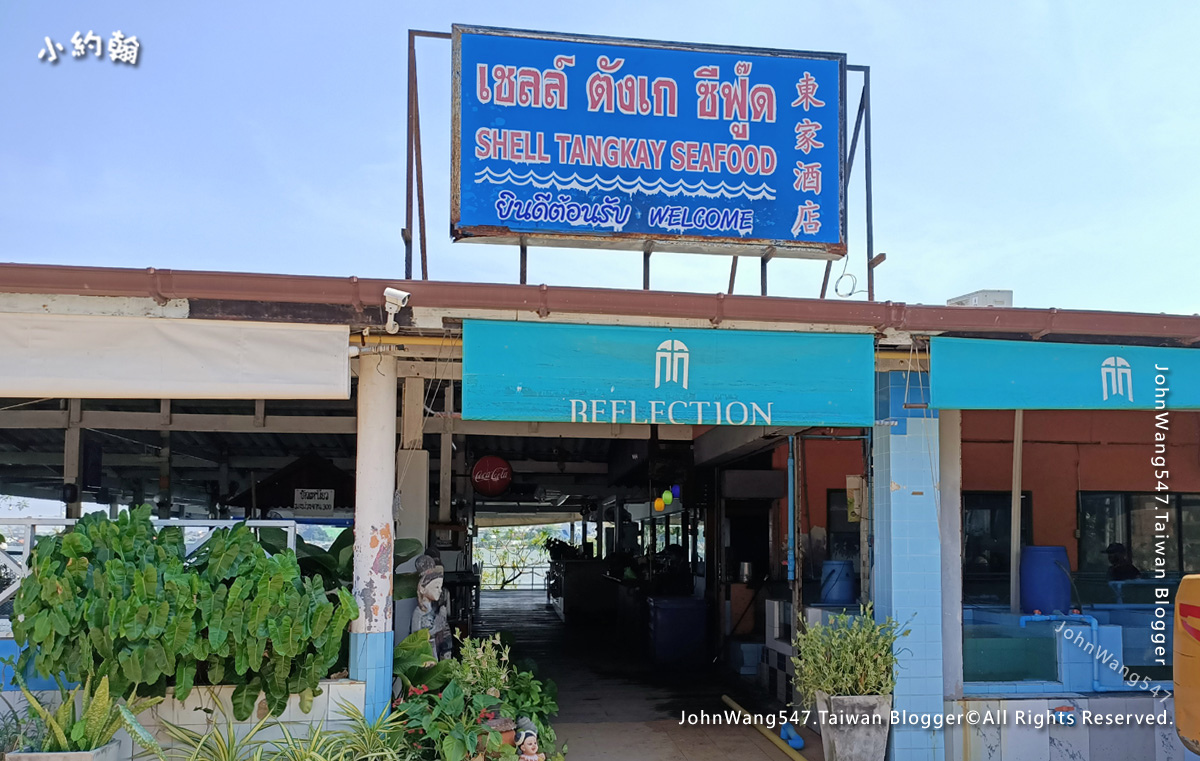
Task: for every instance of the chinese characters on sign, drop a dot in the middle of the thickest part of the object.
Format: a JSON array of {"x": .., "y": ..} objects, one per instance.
[
  {"x": 615, "y": 143},
  {"x": 121, "y": 49}
]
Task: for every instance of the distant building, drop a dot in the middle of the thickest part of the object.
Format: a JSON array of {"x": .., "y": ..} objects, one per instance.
[{"x": 983, "y": 299}]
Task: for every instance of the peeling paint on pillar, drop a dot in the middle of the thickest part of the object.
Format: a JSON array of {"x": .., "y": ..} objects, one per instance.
[
  {"x": 375, "y": 485},
  {"x": 374, "y": 593}
]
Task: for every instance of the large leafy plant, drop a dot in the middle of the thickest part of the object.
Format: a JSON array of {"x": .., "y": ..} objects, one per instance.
[
  {"x": 414, "y": 663},
  {"x": 336, "y": 564},
  {"x": 119, "y": 599}
]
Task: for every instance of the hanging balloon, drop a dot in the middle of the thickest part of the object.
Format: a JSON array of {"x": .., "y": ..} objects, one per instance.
[
  {"x": 659, "y": 505},
  {"x": 667, "y": 498},
  {"x": 675, "y": 491}
]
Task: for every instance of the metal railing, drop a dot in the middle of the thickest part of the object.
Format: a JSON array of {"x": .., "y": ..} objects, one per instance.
[
  {"x": 529, "y": 577},
  {"x": 18, "y": 563}
]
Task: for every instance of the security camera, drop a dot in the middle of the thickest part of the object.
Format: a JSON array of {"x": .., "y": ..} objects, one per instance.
[{"x": 394, "y": 300}]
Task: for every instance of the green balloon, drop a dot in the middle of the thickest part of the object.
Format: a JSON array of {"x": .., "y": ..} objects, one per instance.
[{"x": 667, "y": 498}]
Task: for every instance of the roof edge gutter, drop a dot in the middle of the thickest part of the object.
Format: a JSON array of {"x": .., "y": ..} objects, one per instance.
[{"x": 546, "y": 301}]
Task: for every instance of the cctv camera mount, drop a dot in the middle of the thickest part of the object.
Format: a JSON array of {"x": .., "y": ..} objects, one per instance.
[{"x": 394, "y": 300}]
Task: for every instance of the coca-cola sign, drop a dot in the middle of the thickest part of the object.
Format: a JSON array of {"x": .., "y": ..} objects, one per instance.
[{"x": 491, "y": 476}]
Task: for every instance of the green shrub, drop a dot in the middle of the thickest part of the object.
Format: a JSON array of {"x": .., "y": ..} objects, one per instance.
[
  {"x": 851, "y": 655},
  {"x": 449, "y": 725},
  {"x": 88, "y": 719},
  {"x": 118, "y": 599},
  {"x": 482, "y": 668}
]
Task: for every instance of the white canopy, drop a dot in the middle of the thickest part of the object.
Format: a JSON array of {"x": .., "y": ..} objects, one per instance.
[{"x": 80, "y": 356}]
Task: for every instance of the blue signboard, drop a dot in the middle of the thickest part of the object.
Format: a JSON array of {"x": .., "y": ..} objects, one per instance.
[
  {"x": 545, "y": 372},
  {"x": 971, "y": 374},
  {"x": 568, "y": 140}
]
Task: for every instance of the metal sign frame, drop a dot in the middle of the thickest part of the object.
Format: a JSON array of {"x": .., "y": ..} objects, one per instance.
[
  {"x": 415, "y": 235},
  {"x": 641, "y": 241}
]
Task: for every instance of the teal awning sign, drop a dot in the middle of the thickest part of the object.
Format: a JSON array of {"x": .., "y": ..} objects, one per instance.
[
  {"x": 978, "y": 374},
  {"x": 543, "y": 372}
]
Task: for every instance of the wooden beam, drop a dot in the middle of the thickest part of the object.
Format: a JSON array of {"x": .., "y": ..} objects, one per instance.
[
  {"x": 459, "y": 426},
  {"x": 152, "y": 421},
  {"x": 725, "y": 443},
  {"x": 446, "y": 461},
  {"x": 33, "y": 419},
  {"x": 71, "y": 453},
  {"x": 429, "y": 370},
  {"x": 412, "y": 415},
  {"x": 1014, "y": 536}
]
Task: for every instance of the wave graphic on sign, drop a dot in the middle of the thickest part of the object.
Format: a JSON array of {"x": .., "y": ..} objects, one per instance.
[{"x": 637, "y": 185}]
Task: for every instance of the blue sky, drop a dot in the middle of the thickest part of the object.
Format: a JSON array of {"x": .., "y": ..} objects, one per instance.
[{"x": 1045, "y": 147}]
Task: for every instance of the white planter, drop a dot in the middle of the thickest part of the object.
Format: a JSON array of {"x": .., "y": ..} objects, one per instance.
[
  {"x": 110, "y": 752},
  {"x": 854, "y": 727},
  {"x": 203, "y": 710}
]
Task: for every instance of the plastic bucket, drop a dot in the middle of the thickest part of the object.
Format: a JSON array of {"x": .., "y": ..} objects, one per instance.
[{"x": 837, "y": 582}]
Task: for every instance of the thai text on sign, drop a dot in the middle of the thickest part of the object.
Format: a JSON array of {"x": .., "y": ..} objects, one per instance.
[{"x": 619, "y": 140}]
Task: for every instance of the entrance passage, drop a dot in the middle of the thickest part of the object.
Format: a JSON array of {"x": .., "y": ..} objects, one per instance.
[{"x": 613, "y": 704}]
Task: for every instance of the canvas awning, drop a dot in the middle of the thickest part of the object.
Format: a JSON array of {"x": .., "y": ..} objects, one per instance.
[{"x": 84, "y": 356}]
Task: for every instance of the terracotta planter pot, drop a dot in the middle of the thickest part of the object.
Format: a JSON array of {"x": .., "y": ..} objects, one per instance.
[
  {"x": 507, "y": 729},
  {"x": 854, "y": 727}
]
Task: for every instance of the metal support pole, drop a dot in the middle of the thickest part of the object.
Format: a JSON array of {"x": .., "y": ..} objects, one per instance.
[
  {"x": 858, "y": 121},
  {"x": 796, "y": 470},
  {"x": 420, "y": 172},
  {"x": 374, "y": 481},
  {"x": 867, "y": 180},
  {"x": 413, "y": 160},
  {"x": 732, "y": 274},
  {"x": 524, "y": 261},
  {"x": 409, "y": 165},
  {"x": 646, "y": 268},
  {"x": 791, "y": 497},
  {"x": 1014, "y": 579}
]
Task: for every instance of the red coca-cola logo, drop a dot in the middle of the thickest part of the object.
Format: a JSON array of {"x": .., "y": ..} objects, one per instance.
[{"x": 491, "y": 476}]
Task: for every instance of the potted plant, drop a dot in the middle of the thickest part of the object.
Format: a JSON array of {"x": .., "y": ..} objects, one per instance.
[
  {"x": 84, "y": 724},
  {"x": 846, "y": 670},
  {"x": 121, "y": 599}
]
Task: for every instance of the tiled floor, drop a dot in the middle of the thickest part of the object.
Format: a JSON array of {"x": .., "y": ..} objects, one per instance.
[
  {"x": 613, "y": 704},
  {"x": 666, "y": 741}
]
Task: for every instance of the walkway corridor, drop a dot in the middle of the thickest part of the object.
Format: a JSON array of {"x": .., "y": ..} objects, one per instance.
[{"x": 613, "y": 705}]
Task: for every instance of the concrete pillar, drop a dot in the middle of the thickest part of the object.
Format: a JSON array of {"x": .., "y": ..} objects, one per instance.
[
  {"x": 371, "y": 637},
  {"x": 907, "y": 583},
  {"x": 950, "y": 493}
]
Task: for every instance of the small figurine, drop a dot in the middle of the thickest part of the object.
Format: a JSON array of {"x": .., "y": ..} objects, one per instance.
[
  {"x": 430, "y": 612},
  {"x": 527, "y": 741},
  {"x": 527, "y": 746}
]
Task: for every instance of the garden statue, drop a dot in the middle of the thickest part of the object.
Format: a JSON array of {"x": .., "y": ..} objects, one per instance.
[
  {"x": 430, "y": 612},
  {"x": 527, "y": 745}
]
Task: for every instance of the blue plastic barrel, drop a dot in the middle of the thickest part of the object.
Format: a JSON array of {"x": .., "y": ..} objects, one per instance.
[
  {"x": 837, "y": 582},
  {"x": 678, "y": 630},
  {"x": 1045, "y": 580}
]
